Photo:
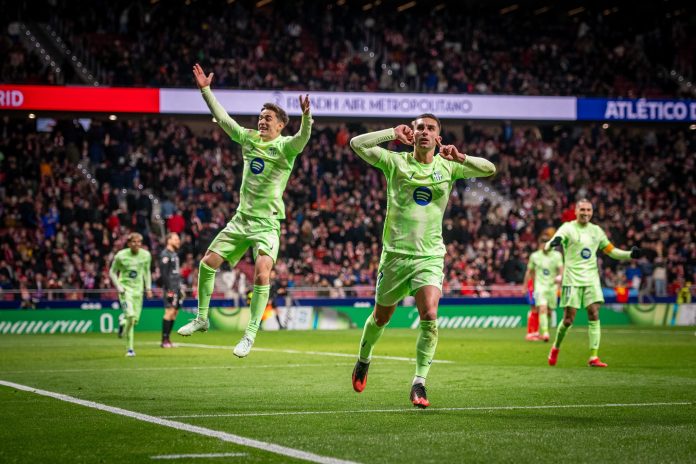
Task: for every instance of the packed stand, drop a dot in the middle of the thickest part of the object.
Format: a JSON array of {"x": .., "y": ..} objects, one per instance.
[
  {"x": 70, "y": 196},
  {"x": 625, "y": 50}
]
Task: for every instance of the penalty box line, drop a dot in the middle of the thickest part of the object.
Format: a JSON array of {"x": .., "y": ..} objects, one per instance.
[
  {"x": 435, "y": 409},
  {"x": 313, "y": 353},
  {"x": 206, "y": 432}
]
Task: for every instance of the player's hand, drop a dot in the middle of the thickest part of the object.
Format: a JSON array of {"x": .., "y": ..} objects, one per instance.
[
  {"x": 305, "y": 104},
  {"x": 555, "y": 242},
  {"x": 182, "y": 293},
  {"x": 450, "y": 152},
  {"x": 149, "y": 293},
  {"x": 201, "y": 79},
  {"x": 404, "y": 134},
  {"x": 558, "y": 279},
  {"x": 636, "y": 253}
]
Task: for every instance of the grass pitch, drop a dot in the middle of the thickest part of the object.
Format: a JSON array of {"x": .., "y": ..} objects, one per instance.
[{"x": 495, "y": 401}]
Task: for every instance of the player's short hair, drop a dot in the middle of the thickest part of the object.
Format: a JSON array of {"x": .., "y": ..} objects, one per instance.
[
  {"x": 430, "y": 116},
  {"x": 134, "y": 236},
  {"x": 583, "y": 200},
  {"x": 280, "y": 112},
  {"x": 169, "y": 236}
]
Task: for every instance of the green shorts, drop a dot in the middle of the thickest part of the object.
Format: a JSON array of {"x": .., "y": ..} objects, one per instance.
[
  {"x": 546, "y": 297},
  {"x": 402, "y": 275},
  {"x": 243, "y": 232},
  {"x": 131, "y": 304},
  {"x": 581, "y": 297}
]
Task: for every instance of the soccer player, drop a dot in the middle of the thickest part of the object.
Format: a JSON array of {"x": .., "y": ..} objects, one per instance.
[
  {"x": 268, "y": 162},
  {"x": 418, "y": 188},
  {"x": 172, "y": 287},
  {"x": 545, "y": 267},
  {"x": 130, "y": 272},
  {"x": 581, "y": 287}
]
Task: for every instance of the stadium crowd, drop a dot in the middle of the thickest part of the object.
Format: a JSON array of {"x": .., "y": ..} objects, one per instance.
[
  {"x": 343, "y": 46},
  {"x": 69, "y": 196}
]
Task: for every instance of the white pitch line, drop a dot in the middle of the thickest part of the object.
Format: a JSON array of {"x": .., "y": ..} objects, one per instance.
[
  {"x": 316, "y": 353},
  {"x": 193, "y": 456},
  {"x": 137, "y": 369},
  {"x": 224, "y": 436},
  {"x": 471, "y": 408}
]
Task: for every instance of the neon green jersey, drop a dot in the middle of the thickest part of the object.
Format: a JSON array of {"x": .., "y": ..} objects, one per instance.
[
  {"x": 417, "y": 193},
  {"x": 545, "y": 266},
  {"x": 580, "y": 245},
  {"x": 131, "y": 271},
  {"x": 267, "y": 165}
]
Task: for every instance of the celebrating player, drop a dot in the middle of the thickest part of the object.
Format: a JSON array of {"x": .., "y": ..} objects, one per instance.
[
  {"x": 418, "y": 188},
  {"x": 581, "y": 287},
  {"x": 545, "y": 267},
  {"x": 268, "y": 162},
  {"x": 172, "y": 288},
  {"x": 129, "y": 272}
]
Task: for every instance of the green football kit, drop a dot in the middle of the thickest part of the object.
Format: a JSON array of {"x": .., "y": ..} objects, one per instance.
[
  {"x": 130, "y": 274},
  {"x": 545, "y": 266},
  {"x": 256, "y": 223},
  {"x": 412, "y": 246},
  {"x": 581, "y": 286}
]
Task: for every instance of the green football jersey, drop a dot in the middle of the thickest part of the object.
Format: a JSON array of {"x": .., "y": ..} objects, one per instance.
[
  {"x": 267, "y": 165},
  {"x": 545, "y": 267},
  {"x": 133, "y": 270},
  {"x": 580, "y": 245},
  {"x": 417, "y": 193}
]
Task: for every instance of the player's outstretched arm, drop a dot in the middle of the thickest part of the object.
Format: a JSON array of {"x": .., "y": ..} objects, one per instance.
[
  {"x": 557, "y": 239},
  {"x": 229, "y": 125},
  {"x": 365, "y": 145},
  {"x": 113, "y": 274},
  {"x": 299, "y": 141},
  {"x": 474, "y": 166},
  {"x": 622, "y": 255}
]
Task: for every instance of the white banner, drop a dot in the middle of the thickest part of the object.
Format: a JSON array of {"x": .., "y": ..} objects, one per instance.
[{"x": 377, "y": 105}]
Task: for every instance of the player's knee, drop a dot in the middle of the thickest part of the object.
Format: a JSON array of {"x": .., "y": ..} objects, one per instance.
[
  {"x": 212, "y": 260},
  {"x": 381, "y": 319},
  {"x": 429, "y": 313}
]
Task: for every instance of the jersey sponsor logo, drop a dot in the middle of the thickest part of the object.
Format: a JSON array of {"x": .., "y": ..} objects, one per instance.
[
  {"x": 132, "y": 274},
  {"x": 547, "y": 272},
  {"x": 437, "y": 175},
  {"x": 422, "y": 195},
  {"x": 257, "y": 166},
  {"x": 585, "y": 253}
]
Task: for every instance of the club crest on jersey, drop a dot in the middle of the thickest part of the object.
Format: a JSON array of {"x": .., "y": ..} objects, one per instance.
[
  {"x": 257, "y": 165},
  {"x": 437, "y": 175},
  {"x": 585, "y": 253},
  {"x": 422, "y": 196}
]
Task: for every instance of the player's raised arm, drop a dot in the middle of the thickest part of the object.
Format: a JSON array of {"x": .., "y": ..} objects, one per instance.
[
  {"x": 471, "y": 166},
  {"x": 229, "y": 125},
  {"x": 113, "y": 274},
  {"x": 365, "y": 145},
  {"x": 300, "y": 139}
]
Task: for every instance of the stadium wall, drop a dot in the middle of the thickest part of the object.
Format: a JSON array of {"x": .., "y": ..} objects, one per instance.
[
  {"x": 229, "y": 319},
  {"x": 344, "y": 104}
]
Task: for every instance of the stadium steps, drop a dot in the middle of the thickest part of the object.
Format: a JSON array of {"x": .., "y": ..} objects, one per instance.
[
  {"x": 36, "y": 43},
  {"x": 83, "y": 67}
]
